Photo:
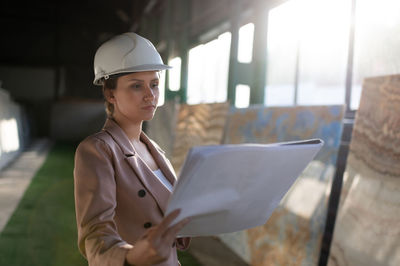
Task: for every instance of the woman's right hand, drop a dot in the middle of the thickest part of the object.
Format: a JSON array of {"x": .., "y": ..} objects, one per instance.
[{"x": 155, "y": 245}]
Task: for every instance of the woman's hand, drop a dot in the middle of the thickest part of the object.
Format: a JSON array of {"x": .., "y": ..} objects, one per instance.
[{"x": 155, "y": 245}]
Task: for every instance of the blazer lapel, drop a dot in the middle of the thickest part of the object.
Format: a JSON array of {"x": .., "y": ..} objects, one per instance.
[
  {"x": 153, "y": 185},
  {"x": 150, "y": 181},
  {"x": 159, "y": 156}
]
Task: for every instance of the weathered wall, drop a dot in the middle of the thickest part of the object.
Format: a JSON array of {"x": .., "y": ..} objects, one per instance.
[
  {"x": 33, "y": 89},
  {"x": 28, "y": 83},
  {"x": 75, "y": 120}
]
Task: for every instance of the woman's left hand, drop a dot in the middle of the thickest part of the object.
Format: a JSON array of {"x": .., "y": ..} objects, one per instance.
[{"x": 155, "y": 245}]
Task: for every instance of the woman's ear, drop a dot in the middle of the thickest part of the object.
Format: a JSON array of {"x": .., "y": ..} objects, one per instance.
[{"x": 109, "y": 95}]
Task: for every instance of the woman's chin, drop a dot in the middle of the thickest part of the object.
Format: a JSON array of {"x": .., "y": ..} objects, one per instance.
[{"x": 148, "y": 117}]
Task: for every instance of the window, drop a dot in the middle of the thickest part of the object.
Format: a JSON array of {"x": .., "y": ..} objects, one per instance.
[
  {"x": 281, "y": 55},
  {"x": 242, "y": 96},
  {"x": 174, "y": 82},
  {"x": 245, "y": 45},
  {"x": 323, "y": 51},
  {"x": 161, "y": 88},
  {"x": 208, "y": 69},
  {"x": 307, "y": 52},
  {"x": 376, "y": 42}
]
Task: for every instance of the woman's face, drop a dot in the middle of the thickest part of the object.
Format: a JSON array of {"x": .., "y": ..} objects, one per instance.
[{"x": 135, "y": 96}]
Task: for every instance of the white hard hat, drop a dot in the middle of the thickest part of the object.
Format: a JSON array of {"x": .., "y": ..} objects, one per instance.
[{"x": 125, "y": 53}]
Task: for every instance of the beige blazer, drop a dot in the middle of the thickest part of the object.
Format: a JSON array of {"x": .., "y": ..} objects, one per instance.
[{"x": 117, "y": 196}]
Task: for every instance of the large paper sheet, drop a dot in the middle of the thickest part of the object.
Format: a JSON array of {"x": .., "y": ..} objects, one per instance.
[{"x": 228, "y": 188}]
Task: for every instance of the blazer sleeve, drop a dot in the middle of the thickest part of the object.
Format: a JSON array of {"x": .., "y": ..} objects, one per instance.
[{"x": 95, "y": 203}]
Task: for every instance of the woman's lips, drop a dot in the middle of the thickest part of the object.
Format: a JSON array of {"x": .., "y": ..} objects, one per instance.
[{"x": 149, "y": 107}]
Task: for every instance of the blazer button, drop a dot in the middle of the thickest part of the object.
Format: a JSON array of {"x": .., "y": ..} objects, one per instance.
[
  {"x": 142, "y": 193},
  {"x": 147, "y": 225}
]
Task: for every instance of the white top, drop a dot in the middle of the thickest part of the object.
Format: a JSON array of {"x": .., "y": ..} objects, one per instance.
[{"x": 163, "y": 179}]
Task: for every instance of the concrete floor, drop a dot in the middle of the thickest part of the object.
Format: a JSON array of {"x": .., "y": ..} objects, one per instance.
[
  {"x": 211, "y": 251},
  {"x": 16, "y": 177}
]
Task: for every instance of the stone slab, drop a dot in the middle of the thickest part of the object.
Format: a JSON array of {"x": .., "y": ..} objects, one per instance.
[
  {"x": 293, "y": 234},
  {"x": 367, "y": 229},
  {"x": 200, "y": 124}
]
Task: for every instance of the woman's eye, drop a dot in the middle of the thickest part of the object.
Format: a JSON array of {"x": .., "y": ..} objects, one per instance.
[
  {"x": 155, "y": 85},
  {"x": 137, "y": 86}
]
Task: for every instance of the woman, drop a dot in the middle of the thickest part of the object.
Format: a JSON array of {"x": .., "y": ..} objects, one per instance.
[{"x": 122, "y": 178}]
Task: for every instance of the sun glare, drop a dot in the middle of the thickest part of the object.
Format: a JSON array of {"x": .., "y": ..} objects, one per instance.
[
  {"x": 307, "y": 44},
  {"x": 208, "y": 71},
  {"x": 9, "y": 135}
]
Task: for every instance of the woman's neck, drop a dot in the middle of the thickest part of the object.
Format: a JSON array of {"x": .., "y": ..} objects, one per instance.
[{"x": 131, "y": 129}]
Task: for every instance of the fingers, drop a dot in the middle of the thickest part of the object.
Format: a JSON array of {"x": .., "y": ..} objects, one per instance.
[
  {"x": 164, "y": 234},
  {"x": 159, "y": 238},
  {"x": 171, "y": 232},
  {"x": 163, "y": 226}
]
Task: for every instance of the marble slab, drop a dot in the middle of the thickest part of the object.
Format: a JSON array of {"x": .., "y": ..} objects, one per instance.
[
  {"x": 161, "y": 128},
  {"x": 367, "y": 229},
  {"x": 293, "y": 234},
  {"x": 200, "y": 124}
]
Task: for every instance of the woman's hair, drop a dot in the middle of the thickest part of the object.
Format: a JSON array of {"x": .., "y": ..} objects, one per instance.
[{"x": 109, "y": 84}]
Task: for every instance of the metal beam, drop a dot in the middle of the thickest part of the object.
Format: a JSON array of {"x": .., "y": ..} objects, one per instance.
[
  {"x": 233, "y": 63},
  {"x": 186, "y": 6},
  {"x": 259, "y": 65},
  {"x": 350, "y": 59}
]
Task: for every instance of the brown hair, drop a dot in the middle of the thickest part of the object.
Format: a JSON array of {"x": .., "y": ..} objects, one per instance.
[{"x": 109, "y": 84}]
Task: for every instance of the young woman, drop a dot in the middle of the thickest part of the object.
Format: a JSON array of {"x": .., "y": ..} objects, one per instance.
[{"x": 122, "y": 178}]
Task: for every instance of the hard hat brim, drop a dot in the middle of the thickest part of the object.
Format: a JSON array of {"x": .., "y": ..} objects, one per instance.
[{"x": 141, "y": 68}]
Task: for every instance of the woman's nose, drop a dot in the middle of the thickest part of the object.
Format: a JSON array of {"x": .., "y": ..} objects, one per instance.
[{"x": 149, "y": 93}]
